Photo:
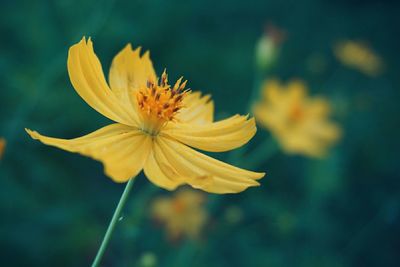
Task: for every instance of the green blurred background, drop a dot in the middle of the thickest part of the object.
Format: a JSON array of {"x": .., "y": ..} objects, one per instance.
[{"x": 341, "y": 211}]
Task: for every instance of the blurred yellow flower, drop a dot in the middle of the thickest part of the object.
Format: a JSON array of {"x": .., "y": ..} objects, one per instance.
[
  {"x": 156, "y": 125},
  {"x": 359, "y": 56},
  {"x": 2, "y": 146},
  {"x": 182, "y": 214},
  {"x": 299, "y": 123}
]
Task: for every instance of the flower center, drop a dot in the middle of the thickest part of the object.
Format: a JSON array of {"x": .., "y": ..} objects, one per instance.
[
  {"x": 178, "y": 205},
  {"x": 296, "y": 113},
  {"x": 159, "y": 103}
]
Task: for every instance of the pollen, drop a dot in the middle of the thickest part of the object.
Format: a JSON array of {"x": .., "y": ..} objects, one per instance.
[{"x": 160, "y": 102}]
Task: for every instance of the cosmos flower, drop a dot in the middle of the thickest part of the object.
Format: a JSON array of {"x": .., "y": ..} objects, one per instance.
[
  {"x": 156, "y": 127},
  {"x": 2, "y": 146},
  {"x": 358, "y": 56},
  {"x": 299, "y": 123},
  {"x": 183, "y": 214}
]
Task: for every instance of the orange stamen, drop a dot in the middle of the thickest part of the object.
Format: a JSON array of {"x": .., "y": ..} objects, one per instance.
[{"x": 159, "y": 103}]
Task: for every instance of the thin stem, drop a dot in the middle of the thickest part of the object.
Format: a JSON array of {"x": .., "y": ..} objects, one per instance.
[
  {"x": 261, "y": 153},
  {"x": 255, "y": 92},
  {"x": 235, "y": 155},
  {"x": 113, "y": 222}
]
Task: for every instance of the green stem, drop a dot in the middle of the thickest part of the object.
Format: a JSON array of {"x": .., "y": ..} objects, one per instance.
[
  {"x": 113, "y": 223},
  {"x": 261, "y": 153},
  {"x": 234, "y": 156},
  {"x": 255, "y": 92}
]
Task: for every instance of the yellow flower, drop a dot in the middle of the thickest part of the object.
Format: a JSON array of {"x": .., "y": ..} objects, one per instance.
[
  {"x": 2, "y": 146},
  {"x": 155, "y": 125},
  {"x": 358, "y": 56},
  {"x": 299, "y": 123},
  {"x": 182, "y": 214}
]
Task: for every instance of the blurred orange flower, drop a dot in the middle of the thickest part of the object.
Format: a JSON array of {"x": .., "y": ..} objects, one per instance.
[
  {"x": 2, "y": 146},
  {"x": 300, "y": 123},
  {"x": 182, "y": 214},
  {"x": 156, "y": 125},
  {"x": 358, "y": 56}
]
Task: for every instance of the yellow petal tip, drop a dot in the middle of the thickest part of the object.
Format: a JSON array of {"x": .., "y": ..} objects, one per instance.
[
  {"x": 116, "y": 177},
  {"x": 146, "y": 54},
  {"x": 32, "y": 134},
  {"x": 261, "y": 175},
  {"x": 128, "y": 46}
]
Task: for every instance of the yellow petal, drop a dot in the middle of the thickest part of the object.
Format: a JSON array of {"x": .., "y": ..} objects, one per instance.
[
  {"x": 323, "y": 134},
  {"x": 159, "y": 172},
  {"x": 270, "y": 117},
  {"x": 129, "y": 72},
  {"x": 181, "y": 174},
  {"x": 296, "y": 89},
  {"x": 87, "y": 77},
  {"x": 219, "y": 136},
  {"x": 312, "y": 138},
  {"x": 122, "y": 149},
  {"x": 197, "y": 109},
  {"x": 325, "y": 130},
  {"x": 272, "y": 91},
  {"x": 189, "y": 163},
  {"x": 318, "y": 107},
  {"x": 302, "y": 143}
]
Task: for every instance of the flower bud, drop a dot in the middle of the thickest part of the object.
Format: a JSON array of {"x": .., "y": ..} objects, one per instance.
[{"x": 268, "y": 47}]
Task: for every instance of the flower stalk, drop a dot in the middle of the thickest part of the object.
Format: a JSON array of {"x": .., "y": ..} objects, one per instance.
[
  {"x": 113, "y": 222},
  {"x": 262, "y": 153}
]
